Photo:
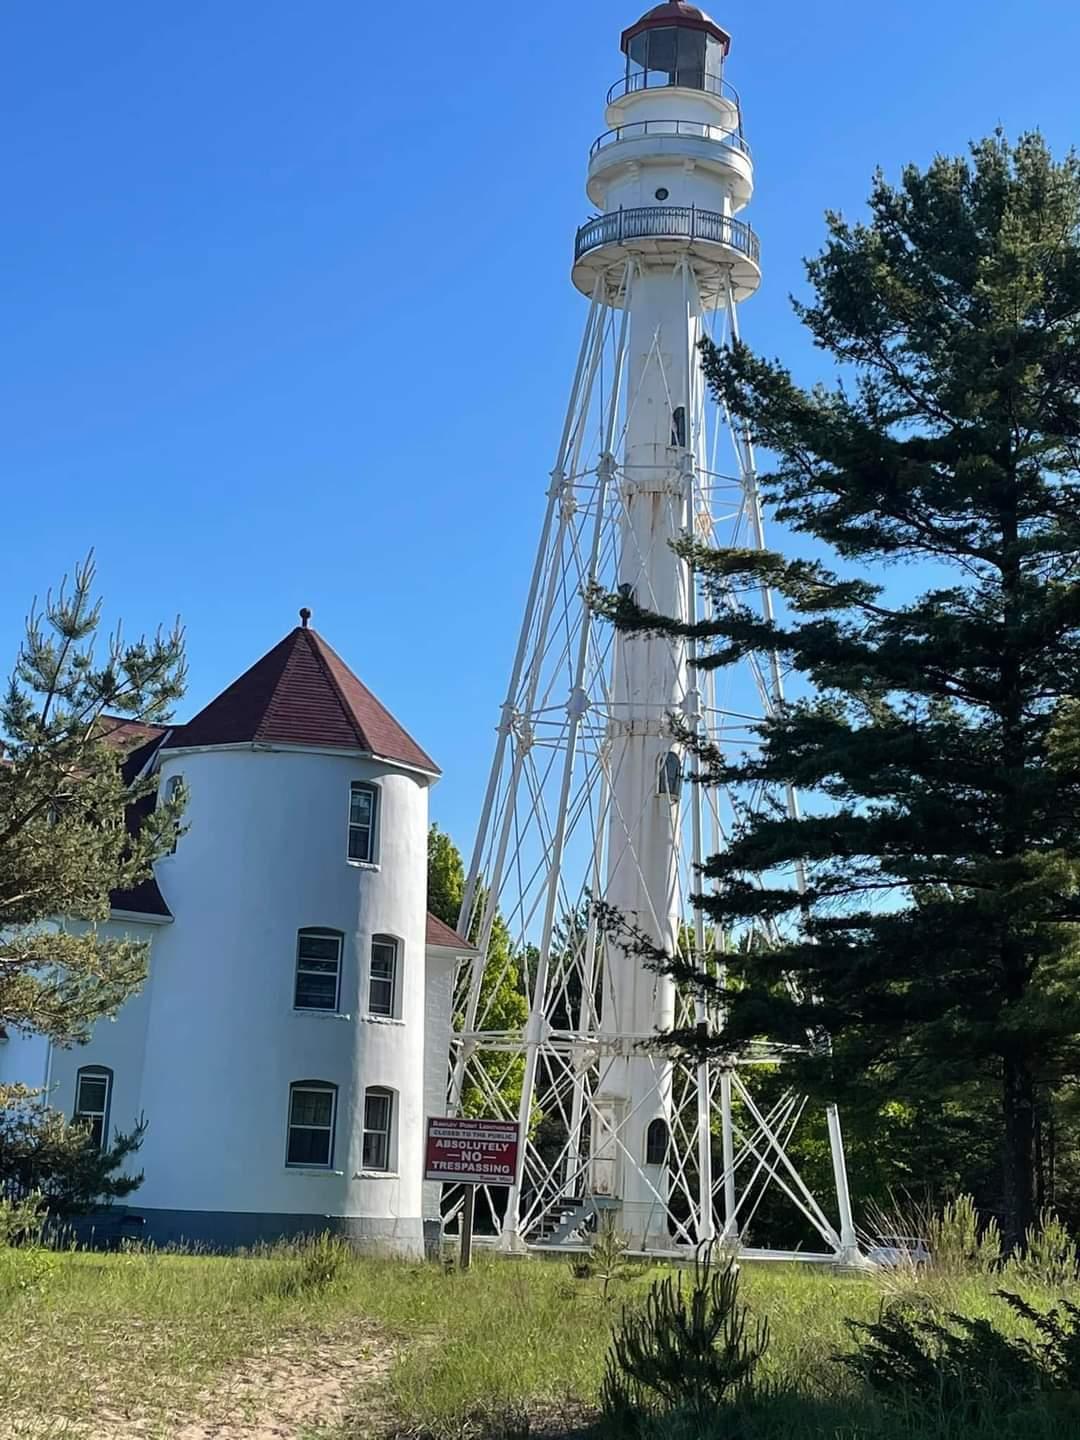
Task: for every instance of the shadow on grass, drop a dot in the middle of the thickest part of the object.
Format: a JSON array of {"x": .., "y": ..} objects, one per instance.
[{"x": 788, "y": 1416}]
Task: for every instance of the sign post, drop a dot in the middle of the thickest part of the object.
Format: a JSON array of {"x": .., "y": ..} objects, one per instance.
[{"x": 470, "y": 1153}]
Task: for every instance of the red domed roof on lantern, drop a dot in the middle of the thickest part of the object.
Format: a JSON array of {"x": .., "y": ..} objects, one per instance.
[{"x": 675, "y": 12}]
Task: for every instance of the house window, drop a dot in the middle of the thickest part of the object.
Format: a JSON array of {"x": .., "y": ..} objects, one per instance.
[
  {"x": 656, "y": 1143},
  {"x": 318, "y": 970},
  {"x": 171, "y": 790},
  {"x": 669, "y": 776},
  {"x": 378, "y": 1122},
  {"x": 678, "y": 426},
  {"x": 312, "y": 1107},
  {"x": 361, "y": 821},
  {"x": 382, "y": 989},
  {"x": 93, "y": 1090}
]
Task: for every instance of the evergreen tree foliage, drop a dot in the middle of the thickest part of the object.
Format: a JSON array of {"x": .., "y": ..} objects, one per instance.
[
  {"x": 65, "y": 844},
  {"x": 502, "y": 997},
  {"x": 45, "y": 1156},
  {"x": 689, "y": 1350},
  {"x": 935, "y": 729}
]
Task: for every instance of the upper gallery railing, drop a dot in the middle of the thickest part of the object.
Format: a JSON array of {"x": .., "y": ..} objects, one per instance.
[
  {"x": 696, "y": 128},
  {"x": 678, "y": 222}
]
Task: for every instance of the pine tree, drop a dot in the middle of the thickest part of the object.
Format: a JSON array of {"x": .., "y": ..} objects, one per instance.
[
  {"x": 934, "y": 734},
  {"x": 65, "y": 844}
]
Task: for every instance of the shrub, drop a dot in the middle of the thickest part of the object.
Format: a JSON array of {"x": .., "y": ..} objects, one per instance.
[
  {"x": 22, "y": 1220},
  {"x": 43, "y": 1153},
  {"x": 686, "y": 1354},
  {"x": 1050, "y": 1256},
  {"x": 959, "y": 1242},
  {"x": 958, "y": 1366}
]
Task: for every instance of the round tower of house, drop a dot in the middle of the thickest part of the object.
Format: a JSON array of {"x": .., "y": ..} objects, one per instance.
[{"x": 283, "y": 1078}]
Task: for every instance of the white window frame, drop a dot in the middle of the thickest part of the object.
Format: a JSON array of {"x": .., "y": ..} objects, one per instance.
[
  {"x": 321, "y": 933},
  {"x": 381, "y": 1092},
  {"x": 373, "y": 791},
  {"x": 388, "y": 942},
  {"x": 321, "y": 1087},
  {"x": 98, "y": 1073}
]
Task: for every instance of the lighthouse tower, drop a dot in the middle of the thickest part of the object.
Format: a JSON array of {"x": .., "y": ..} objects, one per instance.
[{"x": 587, "y": 798}]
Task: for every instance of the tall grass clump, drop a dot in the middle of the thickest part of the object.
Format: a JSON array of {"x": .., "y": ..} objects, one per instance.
[{"x": 310, "y": 1265}]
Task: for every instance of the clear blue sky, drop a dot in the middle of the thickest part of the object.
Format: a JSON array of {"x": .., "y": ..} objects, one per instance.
[{"x": 286, "y": 307}]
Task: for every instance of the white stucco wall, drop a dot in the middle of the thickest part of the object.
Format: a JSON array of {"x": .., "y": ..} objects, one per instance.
[
  {"x": 266, "y": 856},
  {"x": 118, "y": 1045},
  {"x": 24, "y": 1060}
]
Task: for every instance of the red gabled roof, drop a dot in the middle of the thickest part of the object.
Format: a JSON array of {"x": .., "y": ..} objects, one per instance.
[
  {"x": 439, "y": 933},
  {"x": 301, "y": 693}
]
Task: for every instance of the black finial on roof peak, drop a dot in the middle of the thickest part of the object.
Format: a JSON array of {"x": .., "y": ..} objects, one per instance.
[{"x": 305, "y": 616}]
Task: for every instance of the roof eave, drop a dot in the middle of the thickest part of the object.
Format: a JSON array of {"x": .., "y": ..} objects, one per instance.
[
  {"x": 456, "y": 952},
  {"x": 291, "y": 747},
  {"x": 142, "y": 916}
]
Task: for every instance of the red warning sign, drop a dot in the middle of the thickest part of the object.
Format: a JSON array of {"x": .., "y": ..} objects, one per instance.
[{"x": 471, "y": 1152}]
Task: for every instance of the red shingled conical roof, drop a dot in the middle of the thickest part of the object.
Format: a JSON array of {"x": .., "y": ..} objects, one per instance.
[{"x": 301, "y": 693}]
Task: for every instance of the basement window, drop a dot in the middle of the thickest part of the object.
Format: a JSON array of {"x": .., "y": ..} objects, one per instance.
[
  {"x": 362, "y": 808},
  {"x": 312, "y": 1112},
  {"x": 318, "y": 970},
  {"x": 93, "y": 1091}
]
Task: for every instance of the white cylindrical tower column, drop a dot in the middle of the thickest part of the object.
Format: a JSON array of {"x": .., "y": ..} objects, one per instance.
[
  {"x": 585, "y": 799},
  {"x": 671, "y": 174}
]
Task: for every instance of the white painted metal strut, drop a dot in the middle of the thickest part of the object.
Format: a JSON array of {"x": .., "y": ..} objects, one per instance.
[{"x": 576, "y": 705}]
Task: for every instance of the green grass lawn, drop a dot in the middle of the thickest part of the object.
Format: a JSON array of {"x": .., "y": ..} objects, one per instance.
[{"x": 140, "y": 1344}]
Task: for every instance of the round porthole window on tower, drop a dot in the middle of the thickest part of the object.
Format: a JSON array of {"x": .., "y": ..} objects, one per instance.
[{"x": 661, "y": 194}]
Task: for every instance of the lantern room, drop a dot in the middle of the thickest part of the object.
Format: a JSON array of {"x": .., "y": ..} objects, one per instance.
[{"x": 675, "y": 44}]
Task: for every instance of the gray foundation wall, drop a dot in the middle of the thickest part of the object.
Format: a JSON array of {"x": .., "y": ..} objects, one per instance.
[{"x": 225, "y": 1230}]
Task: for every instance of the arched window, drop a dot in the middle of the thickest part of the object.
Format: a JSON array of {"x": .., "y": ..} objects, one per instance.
[
  {"x": 93, "y": 1092},
  {"x": 383, "y": 985},
  {"x": 312, "y": 1115},
  {"x": 378, "y": 1128},
  {"x": 318, "y": 969},
  {"x": 656, "y": 1143},
  {"x": 669, "y": 776},
  {"x": 678, "y": 426}
]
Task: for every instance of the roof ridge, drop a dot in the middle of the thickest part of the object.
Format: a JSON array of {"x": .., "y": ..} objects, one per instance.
[{"x": 347, "y": 710}]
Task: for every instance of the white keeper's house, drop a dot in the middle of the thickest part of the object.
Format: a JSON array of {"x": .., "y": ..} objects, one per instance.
[{"x": 294, "y": 1030}]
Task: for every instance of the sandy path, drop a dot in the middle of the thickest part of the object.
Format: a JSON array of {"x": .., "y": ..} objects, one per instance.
[{"x": 297, "y": 1386}]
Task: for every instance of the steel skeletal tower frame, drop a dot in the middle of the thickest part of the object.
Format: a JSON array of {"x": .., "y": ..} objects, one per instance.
[{"x": 586, "y": 796}]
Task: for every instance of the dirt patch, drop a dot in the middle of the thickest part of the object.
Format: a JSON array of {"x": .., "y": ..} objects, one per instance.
[{"x": 295, "y": 1387}]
